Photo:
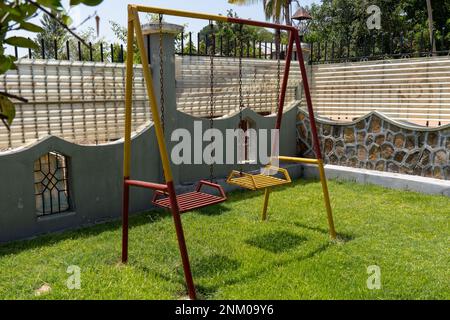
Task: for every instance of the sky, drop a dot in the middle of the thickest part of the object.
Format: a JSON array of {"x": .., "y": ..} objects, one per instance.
[{"x": 115, "y": 10}]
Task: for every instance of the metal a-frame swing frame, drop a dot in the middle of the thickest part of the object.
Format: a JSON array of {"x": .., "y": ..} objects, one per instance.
[{"x": 135, "y": 32}]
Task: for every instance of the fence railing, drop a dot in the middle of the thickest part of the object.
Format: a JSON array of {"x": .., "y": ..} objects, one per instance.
[
  {"x": 380, "y": 46},
  {"x": 74, "y": 51},
  {"x": 375, "y": 46},
  {"x": 229, "y": 46},
  {"x": 114, "y": 52}
]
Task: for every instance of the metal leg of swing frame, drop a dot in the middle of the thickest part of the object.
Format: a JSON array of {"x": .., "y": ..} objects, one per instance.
[
  {"x": 323, "y": 179},
  {"x": 326, "y": 198},
  {"x": 266, "y": 204},
  {"x": 134, "y": 24},
  {"x": 125, "y": 211},
  {"x": 181, "y": 242}
]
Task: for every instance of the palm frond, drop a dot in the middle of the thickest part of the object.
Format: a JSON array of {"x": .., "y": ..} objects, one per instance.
[
  {"x": 272, "y": 8},
  {"x": 243, "y": 2}
]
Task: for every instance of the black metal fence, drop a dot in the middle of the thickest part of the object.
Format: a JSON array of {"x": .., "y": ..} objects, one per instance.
[
  {"x": 228, "y": 46},
  {"x": 377, "y": 46},
  {"x": 77, "y": 51},
  {"x": 380, "y": 46},
  {"x": 114, "y": 52}
]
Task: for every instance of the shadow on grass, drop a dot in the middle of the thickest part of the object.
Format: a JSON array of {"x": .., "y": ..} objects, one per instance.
[
  {"x": 210, "y": 266},
  {"x": 208, "y": 291},
  {"x": 214, "y": 210},
  {"x": 276, "y": 242},
  {"x": 346, "y": 237}
]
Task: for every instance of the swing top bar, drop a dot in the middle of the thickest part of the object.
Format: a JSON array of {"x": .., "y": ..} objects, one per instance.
[{"x": 214, "y": 17}]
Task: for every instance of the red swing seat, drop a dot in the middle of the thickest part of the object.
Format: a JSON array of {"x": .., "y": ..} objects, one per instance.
[{"x": 191, "y": 200}]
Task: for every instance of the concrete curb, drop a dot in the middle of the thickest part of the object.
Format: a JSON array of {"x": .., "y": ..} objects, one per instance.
[{"x": 385, "y": 179}]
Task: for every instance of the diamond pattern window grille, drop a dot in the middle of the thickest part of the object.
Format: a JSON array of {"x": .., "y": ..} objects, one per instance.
[{"x": 51, "y": 184}]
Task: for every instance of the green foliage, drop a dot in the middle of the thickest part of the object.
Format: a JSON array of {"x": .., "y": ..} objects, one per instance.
[
  {"x": 7, "y": 111},
  {"x": 6, "y": 63},
  {"x": 121, "y": 34},
  {"x": 20, "y": 42},
  {"x": 14, "y": 16},
  {"x": 89, "y": 36},
  {"x": 30, "y": 27},
  {"x": 86, "y": 2},
  {"x": 343, "y": 20},
  {"x": 189, "y": 47},
  {"x": 51, "y": 31}
]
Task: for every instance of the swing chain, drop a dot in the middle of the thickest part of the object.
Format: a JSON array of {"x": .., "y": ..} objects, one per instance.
[
  {"x": 161, "y": 71},
  {"x": 211, "y": 91},
  {"x": 278, "y": 65},
  {"x": 241, "y": 97}
]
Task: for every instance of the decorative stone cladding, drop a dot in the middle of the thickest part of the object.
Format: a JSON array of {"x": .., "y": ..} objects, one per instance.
[{"x": 376, "y": 142}]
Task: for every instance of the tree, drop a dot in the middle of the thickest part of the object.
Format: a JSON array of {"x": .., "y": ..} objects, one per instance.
[
  {"x": 90, "y": 39},
  {"x": 14, "y": 16},
  {"x": 121, "y": 33},
  {"x": 343, "y": 22},
  {"x": 51, "y": 31}
]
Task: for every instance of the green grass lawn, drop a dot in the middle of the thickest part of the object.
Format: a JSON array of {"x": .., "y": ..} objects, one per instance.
[{"x": 236, "y": 256}]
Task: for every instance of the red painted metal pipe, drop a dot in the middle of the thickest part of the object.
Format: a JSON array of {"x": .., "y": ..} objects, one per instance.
[
  {"x": 181, "y": 240},
  {"x": 216, "y": 186},
  {"x": 283, "y": 93},
  {"x": 262, "y": 24},
  {"x": 148, "y": 185},
  {"x": 312, "y": 120},
  {"x": 125, "y": 208},
  {"x": 285, "y": 81}
]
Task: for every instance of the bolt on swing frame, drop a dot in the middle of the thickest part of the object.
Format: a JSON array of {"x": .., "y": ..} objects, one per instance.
[{"x": 134, "y": 29}]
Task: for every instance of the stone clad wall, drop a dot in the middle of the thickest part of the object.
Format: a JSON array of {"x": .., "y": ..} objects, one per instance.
[{"x": 375, "y": 142}]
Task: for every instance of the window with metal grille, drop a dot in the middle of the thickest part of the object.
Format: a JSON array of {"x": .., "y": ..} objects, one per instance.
[{"x": 51, "y": 184}]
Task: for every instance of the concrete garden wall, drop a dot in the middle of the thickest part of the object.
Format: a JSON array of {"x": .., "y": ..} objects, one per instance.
[
  {"x": 95, "y": 172},
  {"x": 95, "y": 176}
]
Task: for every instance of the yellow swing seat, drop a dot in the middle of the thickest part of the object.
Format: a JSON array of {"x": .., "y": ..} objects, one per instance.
[{"x": 260, "y": 180}]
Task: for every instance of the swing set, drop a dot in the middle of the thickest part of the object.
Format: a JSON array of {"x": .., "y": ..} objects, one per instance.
[{"x": 164, "y": 194}]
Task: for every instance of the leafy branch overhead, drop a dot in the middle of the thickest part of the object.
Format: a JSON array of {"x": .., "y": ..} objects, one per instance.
[{"x": 15, "y": 15}]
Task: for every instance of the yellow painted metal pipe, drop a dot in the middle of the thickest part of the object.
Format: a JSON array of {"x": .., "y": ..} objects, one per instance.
[
  {"x": 300, "y": 160},
  {"x": 152, "y": 97},
  {"x": 180, "y": 13},
  {"x": 212, "y": 17},
  {"x": 266, "y": 204},
  {"x": 128, "y": 97},
  {"x": 326, "y": 197}
]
